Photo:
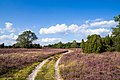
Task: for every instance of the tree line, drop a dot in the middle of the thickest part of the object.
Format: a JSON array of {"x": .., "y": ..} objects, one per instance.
[{"x": 73, "y": 44}]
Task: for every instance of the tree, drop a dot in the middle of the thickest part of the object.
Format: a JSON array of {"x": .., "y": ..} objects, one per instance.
[
  {"x": 59, "y": 45},
  {"x": 82, "y": 45},
  {"x": 16, "y": 45},
  {"x": 108, "y": 43},
  {"x": 93, "y": 44},
  {"x": 74, "y": 44},
  {"x": 36, "y": 46},
  {"x": 25, "y": 39},
  {"x": 2, "y": 45},
  {"x": 68, "y": 45},
  {"x": 116, "y": 34}
]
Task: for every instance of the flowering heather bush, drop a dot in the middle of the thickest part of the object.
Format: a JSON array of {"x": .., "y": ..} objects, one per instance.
[
  {"x": 11, "y": 59},
  {"x": 77, "y": 66}
]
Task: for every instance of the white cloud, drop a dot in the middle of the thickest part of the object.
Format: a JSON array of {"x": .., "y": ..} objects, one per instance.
[
  {"x": 109, "y": 23},
  {"x": 7, "y": 35},
  {"x": 100, "y": 31},
  {"x": 73, "y": 28},
  {"x": 7, "y": 28},
  {"x": 11, "y": 36},
  {"x": 1, "y": 31},
  {"x": 54, "y": 29},
  {"x": 98, "y": 19},
  {"x": 8, "y": 25},
  {"x": 46, "y": 41},
  {"x": 59, "y": 28},
  {"x": 97, "y": 26},
  {"x": 101, "y": 27},
  {"x": 8, "y": 42},
  {"x": 50, "y": 40},
  {"x": 8, "y": 39}
]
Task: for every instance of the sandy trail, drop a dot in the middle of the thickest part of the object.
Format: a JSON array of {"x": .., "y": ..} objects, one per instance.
[
  {"x": 36, "y": 70},
  {"x": 57, "y": 72},
  {"x": 34, "y": 73}
]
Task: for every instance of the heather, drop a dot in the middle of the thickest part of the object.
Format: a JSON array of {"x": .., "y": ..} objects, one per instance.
[
  {"x": 79, "y": 66},
  {"x": 12, "y": 60}
]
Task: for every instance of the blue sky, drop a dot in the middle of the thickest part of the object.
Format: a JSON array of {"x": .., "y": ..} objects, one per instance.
[{"x": 56, "y": 20}]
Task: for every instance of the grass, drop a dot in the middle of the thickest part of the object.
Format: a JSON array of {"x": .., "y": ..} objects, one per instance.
[
  {"x": 21, "y": 74},
  {"x": 47, "y": 71}
]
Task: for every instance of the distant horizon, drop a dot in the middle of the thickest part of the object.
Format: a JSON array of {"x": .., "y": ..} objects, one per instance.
[{"x": 57, "y": 20}]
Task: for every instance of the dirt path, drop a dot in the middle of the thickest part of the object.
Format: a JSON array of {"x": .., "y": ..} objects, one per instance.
[
  {"x": 57, "y": 72},
  {"x": 57, "y": 75},
  {"x": 34, "y": 73}
]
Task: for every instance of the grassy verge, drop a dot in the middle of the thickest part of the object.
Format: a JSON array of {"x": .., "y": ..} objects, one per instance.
[
  {"x": 21, "y": 74},
  {"x": 47, "y": 72}
]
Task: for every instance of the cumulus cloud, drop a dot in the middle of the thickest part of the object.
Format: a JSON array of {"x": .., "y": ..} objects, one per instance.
[
  {"x": 73, "y": 28},
  {"x": 101, "y": 27},
  {"x": 11, "y": 36},
  {"x": 46, "y": 41},
  {"x": 54, "y": 29},
  {"x": 8, "y": 42},
  {"x": 7, "y": 28},
  {"x": 7, "y": 35},
  {"x": 50, "y": 40},
  {"x": 8, "y": 25},
  {"x": 101, "y": 31},
  {"x": 98, "y": 19},
  {"x": 8, "y": 39},
  {"x": 109, "y": 23},
  {"x": 97, "y": 26},
  {"x": 1, "y": 31}
]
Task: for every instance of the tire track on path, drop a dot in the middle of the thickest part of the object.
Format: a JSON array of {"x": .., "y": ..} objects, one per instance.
[
  {"x": 34, "y": 72},
  {"x": 57, "y": 72}
]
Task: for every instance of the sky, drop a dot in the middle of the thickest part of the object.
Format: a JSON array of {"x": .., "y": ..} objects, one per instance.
[{"x": 57, "y": 20}]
